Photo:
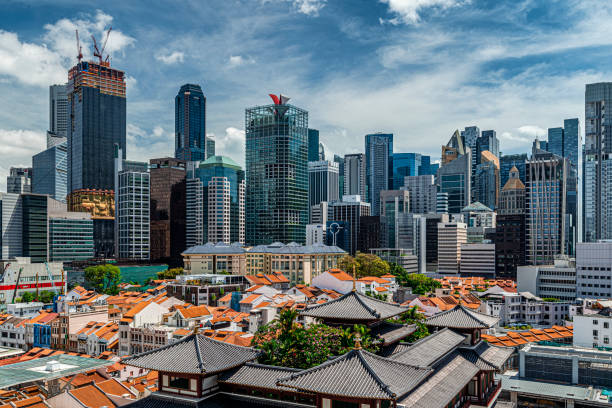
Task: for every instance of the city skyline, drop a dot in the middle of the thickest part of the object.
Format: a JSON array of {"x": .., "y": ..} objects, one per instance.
[{"x": 517, "y": 79}]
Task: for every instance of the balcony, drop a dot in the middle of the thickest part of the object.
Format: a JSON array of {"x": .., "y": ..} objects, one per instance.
[{"x": 489, "y": 398}]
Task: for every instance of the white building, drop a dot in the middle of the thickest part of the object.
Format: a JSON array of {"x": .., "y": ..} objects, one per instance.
[
  {"x": 28, "y": 277},
  {"x": 315, "y": 234},
  {"x": 549, "y": 281},
  {"x": 143, "y": 313},
  {"x": 526, "y": 308},
  {"x": 594, "y": 269},
  {"x": 451, "y": 236},
  {"x": 594, "y": 330},
  {"x": 478, "y": 260}
]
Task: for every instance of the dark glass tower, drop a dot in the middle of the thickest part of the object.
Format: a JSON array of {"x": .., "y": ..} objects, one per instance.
[
  {"x": 190, "y": 123},
  {"x": 379, "y": 167},
  {"x": 313, "y": 145},
  {"x": 276, "y": 173},
  {"x": 96, "y": 108}
]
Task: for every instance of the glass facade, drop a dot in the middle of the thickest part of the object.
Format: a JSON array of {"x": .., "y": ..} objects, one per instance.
[
  {"x": 70, "y": 239},
  {"x": 379, "y": 167},
  {"x": 276, "y": 174},
  {"x": 410, "y": 164},
  {"x": 454, "y": 179},
  {"x": 487, "y": 141},
  {"x": 34, "y": 221},
  {"x": 555, "y": 141},
  {"x": 313, "y": 145},
  {"x": 507, "y": 161},
  {"x": 133, "y": 213},
  {"x": 50, "y": 172},
  {"x": 190, "y": 123}
]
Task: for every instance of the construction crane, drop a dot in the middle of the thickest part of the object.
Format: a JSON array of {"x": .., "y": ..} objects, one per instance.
[
  {"x": 79, "y": 49},
  {"x": 98, "y": 52},
  {"x": 50, "y": 275},
  {"x": 16, "y": 285}
]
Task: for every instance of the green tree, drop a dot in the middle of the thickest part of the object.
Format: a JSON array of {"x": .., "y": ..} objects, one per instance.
[
  {"x": 365, "y": 265},
  {"x": 103, "y": 278},
  {"x": 27, "y": 297},
  {"x": 419, "y": 283},
  {"x": 46, "y": 296},
  {"x": 169, "y": 273}
]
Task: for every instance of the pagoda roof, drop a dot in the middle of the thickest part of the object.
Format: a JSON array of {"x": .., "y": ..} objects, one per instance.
[
  {"x": 358, "y": 374},
  {"x": 194, "y": 354},
  {"x": 257, "y": 376},
  {"x": 487, "y": 357},
  {"x": 460, "y": 317},
  {"x": 392, "y": 332},
  {"x": 430, "y": 349},
  {"x": 354, "y": 307}
]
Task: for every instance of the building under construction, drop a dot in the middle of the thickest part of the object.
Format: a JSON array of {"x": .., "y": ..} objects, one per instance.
[{"x": 19, "y": 275}]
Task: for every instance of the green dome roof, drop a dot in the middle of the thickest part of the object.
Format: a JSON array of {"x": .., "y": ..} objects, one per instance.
[{"x": 219, "y": 161}]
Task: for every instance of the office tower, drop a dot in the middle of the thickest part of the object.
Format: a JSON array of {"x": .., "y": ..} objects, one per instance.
[
  {"x": 539, "y": 145},
  {"x": 451, "y": 236},
  {"x": 423, "y": 193},
  {"x": 210, "y": 146},
  {"x": 453, "y": 149},
  {"x": 454, "y": 178},
  {"x": 34, "y": 230},
  {"x": 19, "y": 180},
  {"x": 315, "y": 234},
  {"x": 411, "y": 164},
  {"x": 322, "y": 182},
  {"x": 101, "y": 205},
  {"x": 393, "y": 203},
  {"x": 190, "y": 123},
  {"x": 50, "y": 172},
  {"x": 427, "y": 167},
  {"x": 347, "y": 214},
  {"x": 379, "y": 167},
  {"x": 321, "y": 152},
  {"x": 470, "y": 138},
  {"x": 276, "y": 173},
  {"x": 487, "y": 180},
  {"x": 425, "y": 245},
  {"x": 478, "y": 215},
  {"x": 132, "y": 208},
  {"x": 11, "y": 231},
  {"x": 507, "y": 162},
  {"x": 355, "y": 175},
  {"x": 168, "y": 211},
  {"x": 572, "y": 141},
  {"x": 478, "y": 260},
  {"x": 372, "y": 229},
  {"x": 215, "y": 202},
  {"x": 487, "y": 141},
  {"x": 70, "y": 234},
  {"x": 340, "y": 161},
  {"x": 441, "y": 203},
  {"x": 313, "y": 145},
  {"x": 97, "y": 120},
  {"x": 58, "y": 115},
  {"x": 555, "y": 141},
  {"x": 545, "y": 197},
  {"x": 510, "y": 228},
  {"x": 319, "y": 212}
]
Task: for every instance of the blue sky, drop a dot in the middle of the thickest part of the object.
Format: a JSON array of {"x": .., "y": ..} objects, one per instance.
[{"x": 417, "y": 68}]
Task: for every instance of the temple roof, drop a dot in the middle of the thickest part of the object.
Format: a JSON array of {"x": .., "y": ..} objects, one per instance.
[
  {"x": 460, "y": 317},
  {"x": 354, "y": 306},
  {"x": 195, "y": 354},
  {"x": 487, "y": 357},
  {"x": 358, "y": 374},
  {"x": 257, "y": 376},
  {"x": 392, "y": 332},
  {"x": 428, "y": 350}
]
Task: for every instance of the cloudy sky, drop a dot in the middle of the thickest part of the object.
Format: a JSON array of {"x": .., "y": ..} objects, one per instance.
[{"x": 416, "y": 68}]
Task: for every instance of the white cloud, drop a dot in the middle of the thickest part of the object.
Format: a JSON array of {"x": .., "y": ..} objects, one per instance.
[
  {"x": 309, "y": 7},
  {"x": 172, "y": 58},
  {"x": 231, "y": 144},
  {"x": 238, "y": 60},
  {"x": 144, "y": 145},
  {"x": 407, "y": 11},
  {"x": 16, "y": 149}
]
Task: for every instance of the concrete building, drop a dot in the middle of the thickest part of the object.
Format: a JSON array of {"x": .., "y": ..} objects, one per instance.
[
  {"x": 347, "y": 213},
  {"x": 19, "y": 180},
  {"x": 549, "y": 281},
  {"x": 322, "y": 182},
  {"x": 70, "y": 234},
  {"x": 319, "y": 212},
  {"x": 11, "y": 238},
  {"x": 423, "y": 193},
  {"x": 525, "y": 308},
  {"x": 478, "y": 260},
  {"x": 142, "y": 314},
  {"x": 20, "y": 273},
  {"x": 354, "y": 175},
  {"x": 64, "y": 328},
  {"x": 594, "y": 270},
  {"x": 206, "y": 289},
  {"x": 593, "y": 330},
  {"x": 451, "y": 237},
  {"x": 315, "y": 234}
]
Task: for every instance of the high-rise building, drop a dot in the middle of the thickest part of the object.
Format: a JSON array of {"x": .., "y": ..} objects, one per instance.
[
  {"x": 319, "y": 212},
  {"x": 393, "y": 204},
  {"x": 545, "y": 198},
  {"x": 453, "y": 149},
  {"x": 478, "y": 260},
  {"x": 50, "y": 172},
  {"x": 210, "y": 146},
  {"x": 101, "y": 205},
  {"x": 470, "y": 138},
  {"x": 34, "y": 230},
  {"x": 215, "y": 202},
  {"x": 487, "y": 180},
  {"x": 276, "y": 173},
  {"x": 313, "y": 145},
  {"x": 355, "y": 175},
  {"x": 555, "y": 141},
  {"x": 340, "y": 161},
  {"x": 315, "y": 234},
  {"x": 58, "y": 115},
  {"x": 322, "y": 182},
  {"x": 97, "y": 120},
  {"x": 379, "y": 167},
  {"x": 347, "y": 213},
  {"x": 487, "y": 141},
  {"x": 404, "y": 165},
  {"x": 510, "y": 227},
  {"x": 11, "y": 231},
  {"x": 19, "y": 180},
  {"x": 423, "y": 193},
  {"x": 454, "y": 178},
  {"x": 190, "y": 123},
  {"x": 441, "y": 203},
  {"x": 372, "y": 229},
  {"x": 426, "y": 240},
  {"x": 507, "y": 162},
  {"x": 168, "y": 210},
  {"x": 132, "y": 208},
  {"x": 70, "y": 234},
  {"x": 451, "y": 237}
]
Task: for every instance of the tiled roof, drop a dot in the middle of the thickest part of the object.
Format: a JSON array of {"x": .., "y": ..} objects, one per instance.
[
  {"x": 429, "y": 349},
  {"x": 195, "y": 311},
  {"x": 340, "y": 275},
  {"x": 391, "y": 333},
  {"x": 487, "y": 357},
  {"x": 250, "y": 299},
  {"x": 195, "y": 354},
  {"x": 354, "y": 306},
  {"x": 358, "y": 374},
  {"x": 113, "y": 387},
  {"x": 219, "y": 248},
  {"x": 512, "y": 338},
  {"x": 257, "y": 375},
  {"x": 461, "y": 317},
  {"x": 91, "y": 397}
]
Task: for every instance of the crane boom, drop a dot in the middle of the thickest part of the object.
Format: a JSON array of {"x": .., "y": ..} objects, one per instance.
[
  {"x": 79, "y": 49},
  {"x": 105, "y": 40}
]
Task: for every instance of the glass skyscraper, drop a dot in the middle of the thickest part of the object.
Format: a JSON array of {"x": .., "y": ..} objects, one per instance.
[
  {"x": 70, "y": 237},
  {"x": 96, "y": 105},
  {"x": 50, "y": 172},
  {"x": 276, "y": 173},
  {"x": 555, "y": 141},
  {"x": 190, "y": 123},
  {"x": 507, "y": 162},
  {"x": 34, "y": 230},
  {"x": 379, "y": 167},
  {"x": 313, "y": 145},
  {"x": 410, "y": 164}
]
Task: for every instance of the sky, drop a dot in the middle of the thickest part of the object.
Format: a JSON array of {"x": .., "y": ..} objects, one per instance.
[{"x": 416, "y": 68}]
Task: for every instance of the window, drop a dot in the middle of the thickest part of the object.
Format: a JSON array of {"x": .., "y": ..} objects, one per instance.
[
  {"x": 179, "y": 382},
  {"x": 606, "y": 325},
  {"x": 595, "y": 333}
]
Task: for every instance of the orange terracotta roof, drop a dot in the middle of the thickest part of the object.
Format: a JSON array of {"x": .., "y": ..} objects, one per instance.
[
  {"x": 254, "y": 288},
  {"x": 136, "y": 309},
  {"x": 340, "y": 275},
  {"x": 250, "y": 299},
  {"x": 226, "y": 298},
  {"x": 380, "y": 289},
  {"x": 113, "y": 387},
  {"x": 91, "y": 397},
  {"x": 195, "y": 311}
]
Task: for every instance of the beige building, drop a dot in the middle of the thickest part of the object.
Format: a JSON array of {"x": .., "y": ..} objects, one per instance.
[{"x": 451, "y": 235}]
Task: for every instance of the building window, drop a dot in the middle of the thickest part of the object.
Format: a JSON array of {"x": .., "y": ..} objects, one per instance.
[
  {"x": 595, "y": 333},
  {"x": 606, "y": 325}
]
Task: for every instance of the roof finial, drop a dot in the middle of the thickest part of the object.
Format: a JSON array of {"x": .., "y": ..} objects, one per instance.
[
  {"x": 357, "y": 338},
  {"x": 354, "y": 279}
]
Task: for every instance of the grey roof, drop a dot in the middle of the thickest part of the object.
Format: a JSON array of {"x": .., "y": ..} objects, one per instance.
[
  {"x": 461, "y": 317},
  {"x": 274, "y": 248},
  {"x": 487, "y": 357},
  {"x": 217, "y": 400},
  {"x": 450, "y": 377},
  {"x": 358, "y": 374},
  {"x": 430, "y": 349},
  {"x": 354, "y": 306},
  {"x": 393, "y": 349},
  {"x": 218, "y": 248},
  {"x": 560, "y": 391},
  {"x": 476, "y": 206},
  {"x": 392, "y": 332},
  {"x": 195, "y": 354},
  {"x": 257, "y": 376}
]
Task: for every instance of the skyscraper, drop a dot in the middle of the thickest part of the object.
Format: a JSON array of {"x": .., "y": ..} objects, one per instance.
[
  {"x": 210, "y": 146},
  {"x": 487, "y": 180},
  {"x": 451, "y": 236},
  {"x": 454, "y": 178},
  {"x": 276, "y": 173},
  {"x": 487, "y": 141},
  {"x": 347, "y": 215},
  {"x": 340, "y": 161},
  {"x": 410, "y": 164},
  {"x": 50, "y": 172},
  {"x": 19, "y": 180},
  {"x": 322, "y": 182},
  {"x": 379, "y": 167},
  {"x": 313, "y": 145},
  {"x": 190, "y": 123},
  {"x": 58, "y": 115},
  {"x": 423, "y": 193},
  {"x": 393, "y": 204},
  {"x": 507, "y": 162},
  {"x": 97, "y": 120},
  {"x": 355, "y": 175},
  {"x": 34, "y": 230},
  {"x": 555, "y": 141},
  {"x": 470, "y": 138}
]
